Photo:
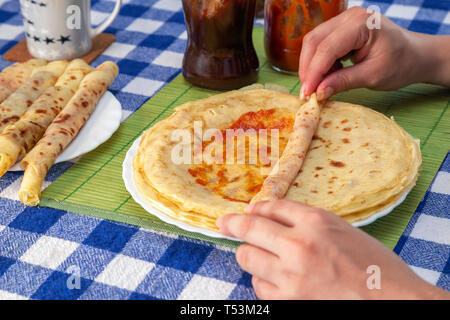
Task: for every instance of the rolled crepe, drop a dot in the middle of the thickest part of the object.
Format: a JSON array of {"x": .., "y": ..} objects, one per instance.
[
  {"x": 279, "y": 180},
  {"x": 12, "y": 77},
  {"x": 63, "y": 130},
  {"x": 17, "y": 103},
  {"x": 18, "y": 138}
]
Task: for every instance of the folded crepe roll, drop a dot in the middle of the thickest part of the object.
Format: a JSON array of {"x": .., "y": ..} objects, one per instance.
[
  {"x": 277, "y": 183},
  {"x": 12, "y": 77},
  {"x": 17, "y": 103},
  {"x": 18, "y": 138},
  {"x": 63, "y": 130}
]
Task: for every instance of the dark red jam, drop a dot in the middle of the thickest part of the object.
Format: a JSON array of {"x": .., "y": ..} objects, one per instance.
[{"x": 220, "y": 52}]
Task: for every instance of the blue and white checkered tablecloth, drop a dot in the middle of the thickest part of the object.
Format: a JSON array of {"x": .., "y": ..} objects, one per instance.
[{"x": 43, "y": 250}]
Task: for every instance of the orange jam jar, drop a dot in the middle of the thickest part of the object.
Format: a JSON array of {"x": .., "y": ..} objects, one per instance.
[{"x": 286, "y": 22}]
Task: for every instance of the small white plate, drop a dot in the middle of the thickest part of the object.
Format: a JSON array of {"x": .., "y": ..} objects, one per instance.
[
  {"x": 101, "y": 125},
  {"x": 130, "y": 185}
]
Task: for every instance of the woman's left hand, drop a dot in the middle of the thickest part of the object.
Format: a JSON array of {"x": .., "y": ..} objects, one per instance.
[{"x": 295, "y": 251}]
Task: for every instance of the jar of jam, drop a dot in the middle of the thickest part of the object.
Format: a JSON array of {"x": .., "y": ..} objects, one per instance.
[
  {"x": 286, "y": 23},
  {"x": 220, "y": 52},
  {"x": 259, "y": 9}
]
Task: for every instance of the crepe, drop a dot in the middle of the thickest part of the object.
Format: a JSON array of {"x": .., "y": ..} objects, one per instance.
[
  {"x": 279, "y": 180},
  {"x": 63, "y": 130},
  {"x": 206, "y": 190},
  {"x": 163, "y": 205},
  {"x": 358, "y": 163},
  {"x": 17, "y": 103},
  {"x": 12, "y": 77},
  {"x": 19, "y": 137},
  {"x": 359, "y": 159}
]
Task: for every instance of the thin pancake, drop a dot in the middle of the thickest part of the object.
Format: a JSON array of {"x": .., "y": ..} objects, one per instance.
[
  {"x": 214, "y": 189},
  {"x": 12, "y": 77},
  {"x": 359, "y": 161},
  {"x": 17, "y": 103},
  {"x": 279, "y": 180},
  {"x": 63, "y": 130},
  {"x": 164, "y": 205},
  {"x": 19, "y": 137}
]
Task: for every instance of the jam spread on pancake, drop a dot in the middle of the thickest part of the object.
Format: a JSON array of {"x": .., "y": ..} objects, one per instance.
[{"x": 227, "y": 179}]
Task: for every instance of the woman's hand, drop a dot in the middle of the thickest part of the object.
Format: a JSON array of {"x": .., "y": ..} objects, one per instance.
[
  {"x": 295, "y": 251},
  {"x": 384, "y": 59}
]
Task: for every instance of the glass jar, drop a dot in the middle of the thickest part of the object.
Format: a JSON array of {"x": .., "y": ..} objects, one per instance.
[
  {"x": 259, "y": 9},
  {"x": 220, "y": 52},
  {"x": 287, "y": 22}
]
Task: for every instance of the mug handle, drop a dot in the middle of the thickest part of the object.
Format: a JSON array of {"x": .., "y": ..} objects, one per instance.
[{"x": 105, "y": 24}]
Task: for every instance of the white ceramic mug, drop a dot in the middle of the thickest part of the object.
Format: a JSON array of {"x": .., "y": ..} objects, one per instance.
[{"x": 61, "y": 29}]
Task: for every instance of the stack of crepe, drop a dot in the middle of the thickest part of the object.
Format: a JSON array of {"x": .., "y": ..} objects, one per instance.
[
  {"x": 341, "y": 157},
  {"x": 43, "y": 107}
]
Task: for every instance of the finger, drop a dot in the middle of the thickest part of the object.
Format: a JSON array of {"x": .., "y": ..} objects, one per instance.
[
  {"x": 258, "y": 262},
  {"x": 328, "y": 91},
  {"x": 311, "y": 40},
  {"x": 333, "y": 47},
  {"x": 317, "y": 35},
  {"x": 357, "y": 76},
  {"x": 254, "y": 229},
  {"x": 336, "y": 66},
  {"x": 282, "y": 211},
  {"x": 278, "y": 211},
  {"x": 264, "y": 289}
]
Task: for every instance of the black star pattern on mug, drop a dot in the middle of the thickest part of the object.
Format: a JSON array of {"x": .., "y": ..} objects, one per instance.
[
  {"x": 41, "y": 4},
  {"x": 48, "y": 40},
  {"x": 30, "y": 22},
  {"x": 27, "y": 35},
  {"x": 63, "y": 39},
  {"x": 36, "y": 39}
]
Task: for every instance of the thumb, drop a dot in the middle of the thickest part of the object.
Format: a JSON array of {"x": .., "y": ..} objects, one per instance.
[{"x": 356, "y": 76}]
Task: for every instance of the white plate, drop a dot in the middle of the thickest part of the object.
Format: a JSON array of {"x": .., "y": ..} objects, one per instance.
[
  {"x": 130, "y": 185},
  {"x": 380, "y": 214},
  {"x": 101, "y": 125}
]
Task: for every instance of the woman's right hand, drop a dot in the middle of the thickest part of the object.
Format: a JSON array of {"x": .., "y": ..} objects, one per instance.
[{"x": 384, "y": 59}]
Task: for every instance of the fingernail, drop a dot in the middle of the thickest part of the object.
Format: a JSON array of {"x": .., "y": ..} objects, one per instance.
[
  {"x": 303, "y": 92},
  {"x": 223, "y": 227},
  {"x": 219, "y": 222},
  {"x": 249, "y": 208},
  {"x": 325, "y": 93},
  {"x": 321, "y": 95},
  {"x": 302, "y": 95}
]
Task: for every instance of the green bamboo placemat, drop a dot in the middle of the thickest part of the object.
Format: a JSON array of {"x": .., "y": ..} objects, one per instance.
[{"x": 94, "y": 186}]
